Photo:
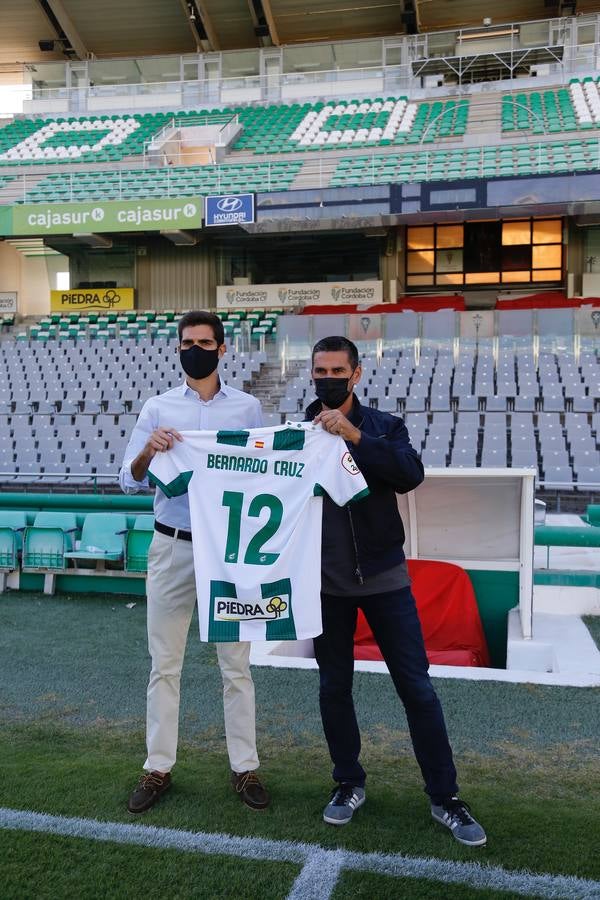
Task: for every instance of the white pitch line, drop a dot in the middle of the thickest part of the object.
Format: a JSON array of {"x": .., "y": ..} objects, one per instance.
[
  {"x": 319, "y": 875},
  {"x": 321, "y": 867}
]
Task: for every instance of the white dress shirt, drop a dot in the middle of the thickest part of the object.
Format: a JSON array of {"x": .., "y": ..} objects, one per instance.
[{"x": 184, "y": 410}]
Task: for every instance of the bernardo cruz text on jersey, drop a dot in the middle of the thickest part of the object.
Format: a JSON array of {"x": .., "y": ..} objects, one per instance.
[{"x": 255, "y": 509}]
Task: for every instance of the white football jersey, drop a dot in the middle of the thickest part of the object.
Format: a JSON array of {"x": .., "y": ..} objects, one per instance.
[{"x": 255, "y": 505}]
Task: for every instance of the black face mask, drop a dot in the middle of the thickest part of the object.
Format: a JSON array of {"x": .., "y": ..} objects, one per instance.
[
  {"x": 332, "y": 391},
  {"x": 199, "y": 363}
]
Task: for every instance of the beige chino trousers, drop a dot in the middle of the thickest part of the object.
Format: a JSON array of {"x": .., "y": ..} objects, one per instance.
[{"x": 171, "y": 592}]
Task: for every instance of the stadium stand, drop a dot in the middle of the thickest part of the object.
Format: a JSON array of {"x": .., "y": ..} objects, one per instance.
[
  {"x": 176, "y": 181},
  {"x": 544, "y": 112},
  {"x": 68, "y": 412},
  {"x": 349, "y": 123},
  {"x": 383, "y": 168},
  {"x": 29, "y": 141},
  {"x": 265, "y": 130},
  {"x": 139, "y": 325}
]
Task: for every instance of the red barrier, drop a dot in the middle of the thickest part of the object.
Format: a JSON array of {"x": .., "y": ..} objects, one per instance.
[
  {"x": 403, "y": 304},
  {"x": 546, "y": 300},
  {"x": 449, "y": 616}
]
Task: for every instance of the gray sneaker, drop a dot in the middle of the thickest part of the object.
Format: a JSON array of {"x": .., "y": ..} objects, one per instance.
[
  {"x": 345, "y": 798},
  {"x": 456, "y": 815}
]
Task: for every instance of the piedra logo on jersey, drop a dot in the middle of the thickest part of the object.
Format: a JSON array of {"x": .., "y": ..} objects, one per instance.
[{"x": 268, "y": 609}]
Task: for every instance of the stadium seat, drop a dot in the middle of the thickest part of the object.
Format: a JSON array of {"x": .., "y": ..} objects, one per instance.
[
  {"x": 12, "y": 525},
  {"x": 45, "y": 543},
  {"x": 102, "y": 539},
  {"x": 138, "y": 543}
]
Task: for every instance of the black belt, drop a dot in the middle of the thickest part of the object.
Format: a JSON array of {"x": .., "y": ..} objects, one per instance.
[{"x": 173, "y": 532}]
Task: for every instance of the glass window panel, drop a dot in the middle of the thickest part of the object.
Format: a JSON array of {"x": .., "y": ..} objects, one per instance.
[
  {"x": 358, "y": 54},
  {"x": 311, "y": 58},
  {"x": 547, "y": 257},
  {"x": 156, "y": 69},
  {"x": 449, "y": 278},
  {"x": 449, "y": 261},
  {"x": 240, "y": 63},
  {"x": 115, "y": 71},
  {"x": 416, "y": 280},
  {"x": 547, "y": 275},
  {"x": 586, "y": 33},
  {"x": 516, "y": 233},
  {"x": 393, "y": 56},
  {"x": 482, "y": 278},
  {"x": 48, "y": 76},
  {"x": 547, "y": 231},
  {"x": 421, "y": 261},
  {"x": 420, "y": 238},
  {"x": 516, "y": 258},
  {"x": 449, "y": 236},
  {"x": 511, "y": 277}
]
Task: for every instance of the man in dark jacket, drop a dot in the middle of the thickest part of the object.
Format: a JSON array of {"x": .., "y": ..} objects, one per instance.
[{"x": 363, "y": 566}]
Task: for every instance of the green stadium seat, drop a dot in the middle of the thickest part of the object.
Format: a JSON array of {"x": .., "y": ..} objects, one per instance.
[
  {"x": 12, "y": 526},
  {"x": 138, "y": 543},
  {"x": 46, "y": 541},
  {"x": 102, "y": 538}
]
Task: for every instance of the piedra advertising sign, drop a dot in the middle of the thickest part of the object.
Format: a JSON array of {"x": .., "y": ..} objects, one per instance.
[
  {"x": 92, "y": 300},
  {"x": 82, "y": 218},
  {"x": 287, "y": 295},
  {"x": 8, "y": 301}
]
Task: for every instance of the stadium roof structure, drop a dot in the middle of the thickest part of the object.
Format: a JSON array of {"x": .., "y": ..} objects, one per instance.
[{"x": 80, "y": 29}]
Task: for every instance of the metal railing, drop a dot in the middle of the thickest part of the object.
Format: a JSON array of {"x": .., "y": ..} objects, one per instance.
[{"x": 39, "y": 478}]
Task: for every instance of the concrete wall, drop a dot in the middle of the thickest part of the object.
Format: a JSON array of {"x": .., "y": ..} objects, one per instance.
[{"x": 32, "y": 277}]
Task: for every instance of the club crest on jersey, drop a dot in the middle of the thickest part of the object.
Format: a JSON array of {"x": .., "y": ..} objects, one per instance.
[
  {"x": 268, "y": 609},
  {"x": 349, "y": 465}
]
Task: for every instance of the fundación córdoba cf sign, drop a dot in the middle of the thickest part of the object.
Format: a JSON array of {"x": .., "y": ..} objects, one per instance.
[{"x": 131, "y": 215}]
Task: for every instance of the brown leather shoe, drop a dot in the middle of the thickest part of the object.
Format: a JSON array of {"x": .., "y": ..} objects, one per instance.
[
  {"x": 250, "y": 790},
  {"x": 147, "y": 791}
]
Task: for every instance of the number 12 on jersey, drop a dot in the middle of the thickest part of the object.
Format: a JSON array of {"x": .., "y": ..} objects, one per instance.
[{"x": 235, "y": 502}]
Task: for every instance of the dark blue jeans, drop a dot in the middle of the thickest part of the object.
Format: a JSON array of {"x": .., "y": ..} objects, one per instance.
[{"x": 395, "y": 625}]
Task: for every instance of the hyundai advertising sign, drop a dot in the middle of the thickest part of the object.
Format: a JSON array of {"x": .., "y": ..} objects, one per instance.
[{"x": 230, "y": 209}]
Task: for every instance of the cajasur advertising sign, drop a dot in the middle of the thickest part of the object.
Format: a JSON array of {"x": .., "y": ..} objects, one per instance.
[{"x": 39, "y": 219}]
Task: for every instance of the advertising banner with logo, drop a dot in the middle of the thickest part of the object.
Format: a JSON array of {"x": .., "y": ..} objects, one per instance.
[
  {"x": 266, "y": 295},
  {"x": 8, "y": 302},
  {"x": 229, "y": 209},
  {"x": 92, "y": 300},
  {"x": 132, "y": 215}
]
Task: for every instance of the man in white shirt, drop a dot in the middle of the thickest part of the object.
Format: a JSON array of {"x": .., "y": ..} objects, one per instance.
[{"x": 203, "y": 401}]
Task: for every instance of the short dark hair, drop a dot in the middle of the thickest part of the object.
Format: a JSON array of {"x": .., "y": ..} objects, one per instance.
[
  {"x": 336, "y": 342},
  {"x": 202, "y": 317}
]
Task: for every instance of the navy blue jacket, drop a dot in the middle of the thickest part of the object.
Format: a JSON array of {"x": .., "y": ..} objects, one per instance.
[{"x": 390, "y": 466}]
